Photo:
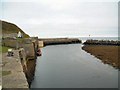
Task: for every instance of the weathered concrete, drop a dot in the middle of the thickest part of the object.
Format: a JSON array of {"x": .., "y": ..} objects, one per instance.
[
  {"x": 35, "y": 43},
  {"x": 28, "y": 65},
  {"x": 11, "y": 42},
  {"x": 0, "y": 55},
  {"x": 55, "y": 41},
  {"x": 16, "y": 79},
  {"x": 40, "y": 44},
  {"x": 24, "y": 62},
  {"x": 30, "y": 51},
  {"x": 0, "y": 70}
]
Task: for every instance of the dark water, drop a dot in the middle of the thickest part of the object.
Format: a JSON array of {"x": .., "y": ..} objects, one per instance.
[{"x": 68, "y": 66}]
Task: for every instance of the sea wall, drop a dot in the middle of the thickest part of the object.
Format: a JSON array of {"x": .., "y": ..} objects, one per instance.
[
  {"x": 13, "y": 43},
  {"x": 28, "y": 58},
  {"x": 40, "y": 44},
  {"x": 13, "y": 77},
  {"x": 27, "y": 53},
  {"x": 55, "y": 41},
  {"x": 28, "y": 65},
  {"x": 101, "y": 42}
]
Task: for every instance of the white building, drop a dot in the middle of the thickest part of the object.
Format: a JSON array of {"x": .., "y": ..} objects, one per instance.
[{"x": 19, "y": 34}]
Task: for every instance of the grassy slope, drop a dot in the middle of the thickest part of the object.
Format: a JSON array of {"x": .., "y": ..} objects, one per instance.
[
  {"x": 3, "y": 49},
  {"x": 8, "y": 28}
]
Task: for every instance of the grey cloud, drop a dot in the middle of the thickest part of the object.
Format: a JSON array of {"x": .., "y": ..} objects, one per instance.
[{"x": 63, "y": 18}]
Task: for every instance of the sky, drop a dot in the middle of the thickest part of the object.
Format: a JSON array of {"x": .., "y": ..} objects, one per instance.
[{"x": 63, "y": 18}]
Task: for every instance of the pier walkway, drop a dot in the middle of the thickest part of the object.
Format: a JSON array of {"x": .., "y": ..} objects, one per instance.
[{"x": 12, "y": 72}]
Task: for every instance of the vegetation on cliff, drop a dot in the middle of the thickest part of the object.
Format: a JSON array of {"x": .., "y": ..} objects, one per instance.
[{"x": 9, "y": 28}]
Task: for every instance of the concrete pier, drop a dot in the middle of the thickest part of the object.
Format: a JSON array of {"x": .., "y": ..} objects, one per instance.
[
  {"x": 40, "y": 44},
  {"x": 12, "y": 72},
  {"x": 20, "y": 68},
  {"x": 56, "y": 41}
]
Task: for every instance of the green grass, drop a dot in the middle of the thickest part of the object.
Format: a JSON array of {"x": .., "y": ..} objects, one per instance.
[
  {"x": 20, "y": 40},
  {"x": 0, "y": 49},
  {"x": 3, "y": 49}
]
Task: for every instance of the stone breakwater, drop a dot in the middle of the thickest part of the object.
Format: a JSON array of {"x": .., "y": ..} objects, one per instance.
[
  {"x": 56, "y": 41},
  {"x": 13, "y": 76},
  {"x": 28, "y": 58},
  {"x": 102, "y": 42},
  {"x": 26, "y": 52}
]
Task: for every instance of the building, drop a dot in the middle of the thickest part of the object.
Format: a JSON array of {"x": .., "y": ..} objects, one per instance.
[{"x": 19, "y": 35}]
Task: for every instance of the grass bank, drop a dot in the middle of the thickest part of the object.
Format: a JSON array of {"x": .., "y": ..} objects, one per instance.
[{"x": 3, "y": 49}]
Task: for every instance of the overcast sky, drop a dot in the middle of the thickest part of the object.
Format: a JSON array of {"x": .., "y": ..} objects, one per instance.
[{"x": 63, "y": 18}]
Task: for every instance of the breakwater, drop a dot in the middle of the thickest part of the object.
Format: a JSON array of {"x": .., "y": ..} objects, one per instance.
[
  {"x": 101, "y": 42},
  {"x": 55, "y": 41},
  {"x": 28, "y": 56},
  {"x": 26, "y": 48},
  {"x": 13, "y": 76}
]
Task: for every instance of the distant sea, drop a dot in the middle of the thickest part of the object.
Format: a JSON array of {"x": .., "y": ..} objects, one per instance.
[{"x": 99, "y": 38}]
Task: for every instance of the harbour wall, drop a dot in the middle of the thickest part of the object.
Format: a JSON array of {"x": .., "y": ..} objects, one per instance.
[
  {"x": 27, "y": 53},
  {"x": 27, "y": 49},
  {"x": 56, "y": 41}
]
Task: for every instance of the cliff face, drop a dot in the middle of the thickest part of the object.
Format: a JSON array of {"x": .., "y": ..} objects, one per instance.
[{"x": 10, "y": 28}]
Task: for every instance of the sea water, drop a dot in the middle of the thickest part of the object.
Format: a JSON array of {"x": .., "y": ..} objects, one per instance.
[{"x": 68, "y": 66}]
